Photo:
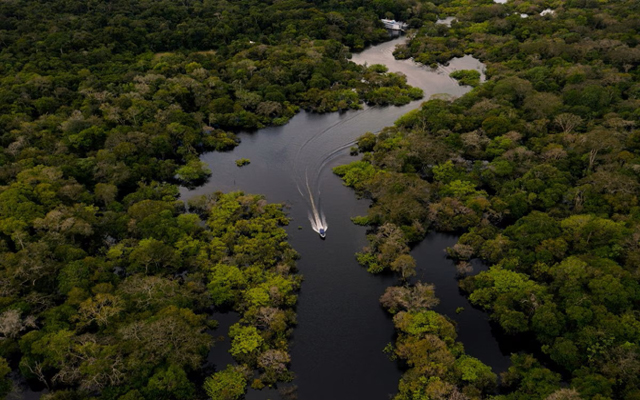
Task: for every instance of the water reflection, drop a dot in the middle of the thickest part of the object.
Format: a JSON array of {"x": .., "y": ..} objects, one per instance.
[
  {"x": 337, "y": 345},
  {"x": 472, "y": 324}
]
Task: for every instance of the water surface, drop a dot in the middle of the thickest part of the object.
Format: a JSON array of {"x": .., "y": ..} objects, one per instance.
[{"x": 337, "y": 346}]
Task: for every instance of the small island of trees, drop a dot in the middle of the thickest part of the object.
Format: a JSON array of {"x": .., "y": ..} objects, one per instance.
[{"x": 242, "y": 162}]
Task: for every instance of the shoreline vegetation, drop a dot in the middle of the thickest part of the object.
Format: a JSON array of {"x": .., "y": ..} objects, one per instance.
[
  {"x": 537, "y": 169},
  {"x": 106, "y": 279}
]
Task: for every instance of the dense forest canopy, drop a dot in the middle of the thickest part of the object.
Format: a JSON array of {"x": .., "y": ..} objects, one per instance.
[
  {"x": 107, "y": 281},
  {"x": 538, "y": 170}
]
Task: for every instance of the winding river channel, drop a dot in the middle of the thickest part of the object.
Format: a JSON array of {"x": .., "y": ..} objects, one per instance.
[{"x": 337, "y": 344}]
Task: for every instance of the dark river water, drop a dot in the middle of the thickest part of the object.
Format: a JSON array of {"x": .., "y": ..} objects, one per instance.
[{"x": 337, "y": 345}]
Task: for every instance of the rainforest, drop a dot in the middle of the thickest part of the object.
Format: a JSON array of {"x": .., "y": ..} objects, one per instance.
[{"x": 488, "y": 156}]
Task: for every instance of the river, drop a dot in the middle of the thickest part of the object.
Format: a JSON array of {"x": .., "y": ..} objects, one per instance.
[{"x": 337, "y": 345}]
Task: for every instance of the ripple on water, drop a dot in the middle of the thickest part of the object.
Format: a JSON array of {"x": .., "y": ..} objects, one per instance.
[{"x": 337, "y": 345}]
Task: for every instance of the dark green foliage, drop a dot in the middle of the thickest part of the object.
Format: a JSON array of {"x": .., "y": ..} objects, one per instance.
[
  {"x": 104, "y": 109},
  {"x": 228, "y": 384},
  {"x": 144, "y": 327},
  {"x": 469, "y": 77},
  {"x": 242, "y": 162},
  {"x": 538, "y": 168},
  {"x": 5, "y": 383},
  {"x": 254, "y": 276},
  {"x": 426, "y": 342}
]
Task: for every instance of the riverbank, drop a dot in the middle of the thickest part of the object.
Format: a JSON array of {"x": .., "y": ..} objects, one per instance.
[{"x": 337, "y": 344}]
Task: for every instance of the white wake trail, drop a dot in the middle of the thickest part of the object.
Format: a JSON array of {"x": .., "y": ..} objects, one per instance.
[{"x": 317, "y": 218}]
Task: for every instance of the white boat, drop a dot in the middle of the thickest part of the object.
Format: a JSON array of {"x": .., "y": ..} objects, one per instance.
[
  {"x": 394, "y": 25},
  {"x": 322, "y": 233}
]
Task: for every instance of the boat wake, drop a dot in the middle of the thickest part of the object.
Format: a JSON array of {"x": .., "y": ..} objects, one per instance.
[
  {"x": 314, "y": 155},
  {"x": 316, "y": 216}
]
